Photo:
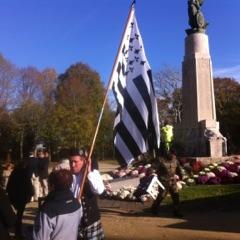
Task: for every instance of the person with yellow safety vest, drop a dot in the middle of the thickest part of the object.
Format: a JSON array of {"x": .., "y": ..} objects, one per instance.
[{"x": 167, "y": 136}]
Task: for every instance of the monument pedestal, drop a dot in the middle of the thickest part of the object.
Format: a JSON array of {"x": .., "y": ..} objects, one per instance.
[{"x": 198, "y": 133}]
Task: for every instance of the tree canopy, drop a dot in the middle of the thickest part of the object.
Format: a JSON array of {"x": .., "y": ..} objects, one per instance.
[
  {"x": 227, "y": 95},
  {"x": 60, "y": 111},
  {"x": 79, "y": 96}
]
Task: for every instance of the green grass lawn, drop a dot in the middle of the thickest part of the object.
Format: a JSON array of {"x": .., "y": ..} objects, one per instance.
[
  {"x": 209, "y": 197},
  {"x": 207, "y": 191}
]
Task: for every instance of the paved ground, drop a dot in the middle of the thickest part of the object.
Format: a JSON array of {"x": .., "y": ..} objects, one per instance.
[
  {"x": 123, "y": 220},
  {"x": 131, "y": 220}
]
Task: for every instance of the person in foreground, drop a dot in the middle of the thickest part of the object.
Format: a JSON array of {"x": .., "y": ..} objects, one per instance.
[
  {"x": 90, "y": 226},
  {"x": 60, "y": 214}
]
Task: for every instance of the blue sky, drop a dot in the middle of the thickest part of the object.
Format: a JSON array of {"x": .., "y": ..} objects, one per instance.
[{"x": 58, "y": 33}]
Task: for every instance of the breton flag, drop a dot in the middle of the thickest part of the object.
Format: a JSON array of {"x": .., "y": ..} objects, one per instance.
[{"x": 136, "y": 127}]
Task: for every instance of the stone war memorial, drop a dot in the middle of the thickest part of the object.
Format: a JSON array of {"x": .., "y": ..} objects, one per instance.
[{"x": 198, "y": 134}]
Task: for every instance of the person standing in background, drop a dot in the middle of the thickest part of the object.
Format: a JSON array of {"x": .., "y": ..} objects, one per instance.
[
  {"x": 33, "y": 165},
  {"x": 20, "y": 191},
  {"x": 166, "y": 136},
  {"x": 5, "y": 172},
  {"x": 43, "y": 157}
]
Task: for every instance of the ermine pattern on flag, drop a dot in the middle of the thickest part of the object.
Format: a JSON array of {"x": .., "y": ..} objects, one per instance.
[{"x": 136, "y": 127}]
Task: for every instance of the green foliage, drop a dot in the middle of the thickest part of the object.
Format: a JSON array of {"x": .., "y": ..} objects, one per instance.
[
  {"x": 25, "y": 122},
  {"x": 104, "y": 143},
  {"x": 227, "y": 95},
  {"x": 6, "y": 129},
  {"x": 79, "y": 99}
]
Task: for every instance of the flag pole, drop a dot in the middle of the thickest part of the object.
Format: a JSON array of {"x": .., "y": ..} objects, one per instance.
[{"x": 109, "y": 86}]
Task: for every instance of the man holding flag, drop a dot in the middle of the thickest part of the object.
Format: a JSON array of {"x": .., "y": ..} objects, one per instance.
[{"x": 90, "y": 227}]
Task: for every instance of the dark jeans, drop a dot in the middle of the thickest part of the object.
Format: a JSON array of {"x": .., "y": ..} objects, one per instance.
[
  {"x": 18, "y": 225},
  {"x": 162, "y": 194}
]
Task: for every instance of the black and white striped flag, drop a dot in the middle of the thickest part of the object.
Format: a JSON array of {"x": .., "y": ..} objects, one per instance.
[{"x": 136, "y": 127}]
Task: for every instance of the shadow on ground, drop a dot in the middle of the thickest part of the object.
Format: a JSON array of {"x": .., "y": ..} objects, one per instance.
[{"x": 220, "y": 214}]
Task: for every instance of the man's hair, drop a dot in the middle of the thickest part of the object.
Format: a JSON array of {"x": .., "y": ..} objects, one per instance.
[
  {"x": 77, "y": 152},
  {"x": 60, "y": 179}
]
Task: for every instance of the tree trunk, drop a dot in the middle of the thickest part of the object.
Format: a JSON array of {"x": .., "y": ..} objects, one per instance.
[{"x": 21, "y": 145}]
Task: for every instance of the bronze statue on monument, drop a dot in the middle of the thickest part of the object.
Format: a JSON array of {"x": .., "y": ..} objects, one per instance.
[
  {"x": 198, "y": 134},
  {"x": 196, "y": 18}
]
